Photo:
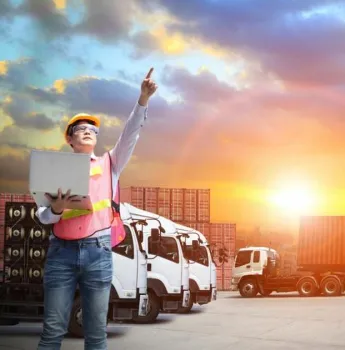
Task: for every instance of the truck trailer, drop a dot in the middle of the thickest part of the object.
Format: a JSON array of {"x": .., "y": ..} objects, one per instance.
[{"x": 320, "y": 266}]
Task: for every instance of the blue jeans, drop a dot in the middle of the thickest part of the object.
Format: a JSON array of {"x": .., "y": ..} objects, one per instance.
[{"x": 87, "y": 263}]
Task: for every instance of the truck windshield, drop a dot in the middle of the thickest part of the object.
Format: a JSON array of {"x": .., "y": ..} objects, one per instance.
[
  {"x": 202, "y": 256},
  {"x": 243, "y": 257},
  {"x": 168, "y": 249}
]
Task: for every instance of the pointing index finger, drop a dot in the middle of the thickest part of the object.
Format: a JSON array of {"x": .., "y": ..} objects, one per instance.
[{"x": 148, "y": 76}]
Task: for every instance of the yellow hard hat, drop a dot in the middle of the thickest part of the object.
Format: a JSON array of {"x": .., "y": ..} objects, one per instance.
[{"x": 82, "y": 116}]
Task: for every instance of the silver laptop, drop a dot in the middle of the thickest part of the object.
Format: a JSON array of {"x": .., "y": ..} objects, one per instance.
[{"x": 51, "y": 170}]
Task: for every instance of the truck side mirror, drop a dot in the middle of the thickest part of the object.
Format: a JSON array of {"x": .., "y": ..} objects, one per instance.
[
  {"x": 195, "y": 244},
  {"x": 195, "y": 249},
  {"x": 155, "y": 241},
  {"x": 155, "y": 235}
]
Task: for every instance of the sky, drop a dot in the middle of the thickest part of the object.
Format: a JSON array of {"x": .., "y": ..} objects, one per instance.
[{"x": 250, "y": 100}]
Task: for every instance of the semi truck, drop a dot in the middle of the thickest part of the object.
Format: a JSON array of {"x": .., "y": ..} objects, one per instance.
[
  {"x": 202, "y": 268},
  {"x": 320, "y": 268},
  {"x": 168, "y": 269},
  {"x": 21, "y": 287}
]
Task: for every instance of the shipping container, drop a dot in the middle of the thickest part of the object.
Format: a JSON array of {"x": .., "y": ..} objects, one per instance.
[
  {"x": 177, "y": 195},
  {"x": 190, "y": 205},
  {"x": 321, "y": 241},
  {"x": 164, "y": 202},
  {"x": 203, "y": 205},
  {"x": 151, "y": 199},
  {"x": 224, "y": 275},
  {"x": 133, "y": 195},
  {"x": 177, "y": 204},
  {"x": 205, "y": 229}
]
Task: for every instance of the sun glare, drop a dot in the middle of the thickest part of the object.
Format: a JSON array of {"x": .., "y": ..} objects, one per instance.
[{"x": 294, "y": 200}]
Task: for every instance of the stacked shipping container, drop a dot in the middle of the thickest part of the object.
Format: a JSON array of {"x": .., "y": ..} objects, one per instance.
[
  {"x": 176, "y": 204},
  {"x": 190, "y": 207},
  {"x": 220, "y": 236}
]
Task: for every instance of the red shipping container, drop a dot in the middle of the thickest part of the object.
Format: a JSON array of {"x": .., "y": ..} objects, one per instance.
[
  {"x": 216, "y": 236},
  {"x": 151, "y": 199},
  {"x": 133, "y": 196},
  {"x": 190, "y": 205},
  {"x": 321, "y": 240},
  {"x": 177, "y": 204},
  {"x": 164, "y": 201},
  {"x": 203, "y": 205},
  {"x": 205, "y": 229}
]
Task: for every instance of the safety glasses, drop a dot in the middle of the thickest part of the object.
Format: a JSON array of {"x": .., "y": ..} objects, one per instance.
[{"x": 79, "y": 129}]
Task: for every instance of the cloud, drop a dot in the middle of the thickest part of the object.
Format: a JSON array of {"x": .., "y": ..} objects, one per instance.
[
  {"x": 48, "y": 16},
  {"x": 93, "y": 95},
  {"x": 5, "y": 8},
  {"x": 107, "y": 20},
  {"x": 21, "y": 109},
  {"x": 296, "y": 40},
  {"x": 16, "y": 75}
]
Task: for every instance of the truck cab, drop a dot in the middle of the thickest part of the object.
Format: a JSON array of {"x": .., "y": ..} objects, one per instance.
[
  {"x": 251, "y": 263},
  {"x": 168, "y": 270},
  {"x": 21, "y": 292},
  {"x": 202, "y": 269}
]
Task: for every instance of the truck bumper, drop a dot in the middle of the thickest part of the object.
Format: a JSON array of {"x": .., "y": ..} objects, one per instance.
[
  {"x": 234, "y": 287},
  {"x": 185, "y": 298},
  {"x": 143, "y": 305}
]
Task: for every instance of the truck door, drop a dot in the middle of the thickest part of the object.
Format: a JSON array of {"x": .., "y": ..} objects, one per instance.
[
  {"x": 256, "y": 263},
  {"x": 200, "y": 269},
  {"x": 243, "y": 263},
  {"x": 165, "y": 264},
  {"x": 125, "y": 266}
]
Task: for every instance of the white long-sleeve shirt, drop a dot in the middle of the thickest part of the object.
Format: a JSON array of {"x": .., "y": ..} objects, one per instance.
[{"x": 120, "y": 155}]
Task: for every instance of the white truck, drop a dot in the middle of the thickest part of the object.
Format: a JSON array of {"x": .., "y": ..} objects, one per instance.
[
  {"x": 21, "y": 297},
  {"x": 202, "y": 269},
  {"x": 168, "y": 269}
]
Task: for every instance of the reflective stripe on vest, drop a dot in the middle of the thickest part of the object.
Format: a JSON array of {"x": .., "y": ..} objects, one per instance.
[
  {"x": 96, "y": 170},
  {"x": 73, "y": 213}
]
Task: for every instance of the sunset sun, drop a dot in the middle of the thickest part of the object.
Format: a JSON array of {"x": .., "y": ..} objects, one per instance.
[{"x": 297, "y": 200}]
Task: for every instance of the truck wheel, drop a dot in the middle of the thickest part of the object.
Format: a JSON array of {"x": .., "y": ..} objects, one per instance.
[
  {"x": 153, "y": 308},
  {"x": 307, "y": 287},
  {"x": 75, "y": 326},
  {"x": 331, "y": 287},
  {"x": 248, "y": 288}
]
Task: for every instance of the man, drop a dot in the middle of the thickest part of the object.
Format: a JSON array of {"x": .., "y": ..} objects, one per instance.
[{"x": 80, "y": 246}]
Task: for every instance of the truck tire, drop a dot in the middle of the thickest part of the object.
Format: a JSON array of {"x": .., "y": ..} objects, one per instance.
[
  {"x": 331, "y": 286},
  {"x": 248, "y": 288},
  {"x": 307, "y": 287},
  {"x": 75, "y": 326},
  {"x": 153, "y": 310}
]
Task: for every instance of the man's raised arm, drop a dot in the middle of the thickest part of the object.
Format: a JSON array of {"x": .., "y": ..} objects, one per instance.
[{"x": 125, "y": 145}]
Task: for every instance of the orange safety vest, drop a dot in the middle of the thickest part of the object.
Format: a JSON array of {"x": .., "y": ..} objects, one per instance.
[{"x": 79, "y": 224}]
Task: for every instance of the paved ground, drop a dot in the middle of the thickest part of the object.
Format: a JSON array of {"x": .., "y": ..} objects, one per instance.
[{"x": 278, "y": 322}]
